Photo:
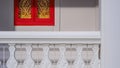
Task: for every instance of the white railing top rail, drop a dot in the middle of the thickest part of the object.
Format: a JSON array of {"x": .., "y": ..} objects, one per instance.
[
  {"x": 91, "y": 34},
  {"x": 50, "y": 37}
]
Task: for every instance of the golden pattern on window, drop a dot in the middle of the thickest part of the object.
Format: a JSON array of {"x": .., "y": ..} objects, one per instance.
[
  {"x": 43, "y": 8},
  {"x": 25, "y": 8}
]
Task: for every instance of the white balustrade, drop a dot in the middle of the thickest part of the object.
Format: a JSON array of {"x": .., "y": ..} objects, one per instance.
[{"x": 45, "y": 55}]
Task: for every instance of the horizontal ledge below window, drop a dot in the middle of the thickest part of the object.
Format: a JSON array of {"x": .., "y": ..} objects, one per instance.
[
  {"x": 50, "y": 37},
  {"x": 32, "y": 34}
]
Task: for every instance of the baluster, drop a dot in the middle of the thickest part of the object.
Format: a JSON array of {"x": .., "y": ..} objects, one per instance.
[
  {"x": 79, "y": 63},
  {"x": 28, "y": 63},
  {"x": 45, "y": 62},
  {"x": 11, "y": 61},
  {"x": 63, "y": 62}
]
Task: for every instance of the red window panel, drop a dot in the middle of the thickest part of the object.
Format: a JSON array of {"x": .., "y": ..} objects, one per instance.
[
  {"x": 34, "y": 13},
  {"x": 45, "y": 21}
]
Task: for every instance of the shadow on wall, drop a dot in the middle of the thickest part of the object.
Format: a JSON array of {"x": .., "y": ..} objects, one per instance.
[
  {"x": 6, "y": 15},
  {"x": 78, "y": 3}
]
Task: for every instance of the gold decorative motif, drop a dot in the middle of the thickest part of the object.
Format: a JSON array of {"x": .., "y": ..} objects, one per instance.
[
  {"x": 25, "y": 8},
  {"x": 43, "y": 8}
]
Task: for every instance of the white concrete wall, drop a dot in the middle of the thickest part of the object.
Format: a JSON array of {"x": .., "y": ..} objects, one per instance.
[
  {"x": 110, "y": 19},
  {"x": 79, "y": 15}
]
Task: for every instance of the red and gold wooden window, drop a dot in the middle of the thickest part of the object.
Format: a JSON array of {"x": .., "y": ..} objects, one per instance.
[{"x": 34, "y": 13}]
